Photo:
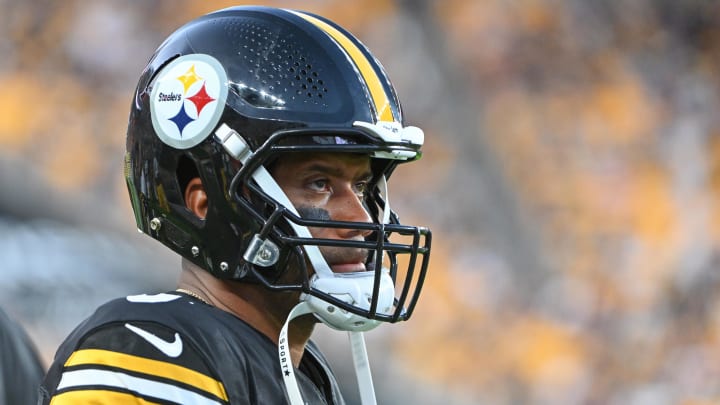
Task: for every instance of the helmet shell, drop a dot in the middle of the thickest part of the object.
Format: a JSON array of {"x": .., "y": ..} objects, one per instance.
[{"x": 277, "y": 70}]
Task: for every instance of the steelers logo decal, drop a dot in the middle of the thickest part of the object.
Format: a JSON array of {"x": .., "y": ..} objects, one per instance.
[{"x": 187, "y": 100}]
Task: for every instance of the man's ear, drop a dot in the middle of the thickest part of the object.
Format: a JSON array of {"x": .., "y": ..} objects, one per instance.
[{"x": 196, "y": 198}]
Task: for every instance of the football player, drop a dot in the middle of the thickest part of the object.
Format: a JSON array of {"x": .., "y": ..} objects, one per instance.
[{"x": 259, "y": 146}]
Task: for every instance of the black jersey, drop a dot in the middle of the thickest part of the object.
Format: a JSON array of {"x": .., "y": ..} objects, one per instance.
[
  {"x": 173, "y": 349},
  {"x": 20, "y": 367}
]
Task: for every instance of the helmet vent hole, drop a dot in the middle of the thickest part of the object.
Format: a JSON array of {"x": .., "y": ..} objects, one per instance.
[{"x": 279, "y": 64}]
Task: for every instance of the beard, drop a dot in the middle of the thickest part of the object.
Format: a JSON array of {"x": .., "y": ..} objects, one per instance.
[{"x": 332, "y": 254}]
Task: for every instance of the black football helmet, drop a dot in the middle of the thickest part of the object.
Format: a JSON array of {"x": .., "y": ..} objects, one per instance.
[{"x": 221, "y": 99}]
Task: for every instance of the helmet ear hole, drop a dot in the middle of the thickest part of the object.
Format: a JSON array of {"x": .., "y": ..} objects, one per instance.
[{"x": 186, "y": 171}]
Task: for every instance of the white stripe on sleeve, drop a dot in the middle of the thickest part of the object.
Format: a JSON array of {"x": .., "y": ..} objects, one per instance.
[{"x": 94, "y": 377}]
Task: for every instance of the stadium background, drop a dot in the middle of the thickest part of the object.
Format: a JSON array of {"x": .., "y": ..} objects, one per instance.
[{"x": 571, "y": 177}]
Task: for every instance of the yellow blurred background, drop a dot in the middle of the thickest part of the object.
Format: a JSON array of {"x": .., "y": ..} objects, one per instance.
[{"x": 571, "y": 177}]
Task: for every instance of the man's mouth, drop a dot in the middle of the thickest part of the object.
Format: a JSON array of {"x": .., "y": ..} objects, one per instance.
[
  {"x": 346, "y": 260},
  {"x": 347, "y": 267}
]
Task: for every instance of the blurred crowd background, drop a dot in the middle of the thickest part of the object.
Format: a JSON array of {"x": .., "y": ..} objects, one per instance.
[{"x": 571, "y": 177}]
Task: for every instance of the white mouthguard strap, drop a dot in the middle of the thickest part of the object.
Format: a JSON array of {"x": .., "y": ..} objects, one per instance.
[{"x": 359, "y": 355}]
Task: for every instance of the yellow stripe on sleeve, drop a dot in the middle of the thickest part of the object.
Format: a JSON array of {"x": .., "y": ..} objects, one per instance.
[
  {"x": 147, "y": 366},
  {"x": 93, "y": 397},
  {"x": 377, "y": 92}
]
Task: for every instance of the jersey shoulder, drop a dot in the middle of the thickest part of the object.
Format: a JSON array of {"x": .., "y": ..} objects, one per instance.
[
  {"x": 132, "y": 350},
  {"x": 173, "y": 349},
  {"x": 20, "y": 367}
]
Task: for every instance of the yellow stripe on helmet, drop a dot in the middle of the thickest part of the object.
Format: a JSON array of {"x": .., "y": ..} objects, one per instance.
[{"x": 377, "y": 92}]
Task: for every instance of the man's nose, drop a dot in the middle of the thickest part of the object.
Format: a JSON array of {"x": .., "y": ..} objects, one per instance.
[{"x": 350, "y": 208}]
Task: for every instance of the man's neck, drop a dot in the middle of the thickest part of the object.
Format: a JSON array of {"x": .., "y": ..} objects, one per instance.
[{"x": 263, "y": 309}]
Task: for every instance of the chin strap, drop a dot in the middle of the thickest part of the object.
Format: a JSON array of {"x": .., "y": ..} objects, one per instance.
[
  {"x": 359, "y": 355},
  {"x": 362, "y": 368},
  {"x": 288, "y": 370}
]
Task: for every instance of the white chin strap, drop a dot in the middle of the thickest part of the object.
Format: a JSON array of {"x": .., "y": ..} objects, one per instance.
[{"x": 359, "y": 355}]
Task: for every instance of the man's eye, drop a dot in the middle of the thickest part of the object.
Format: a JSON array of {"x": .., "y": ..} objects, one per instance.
[{"x": 319, "y": 185}]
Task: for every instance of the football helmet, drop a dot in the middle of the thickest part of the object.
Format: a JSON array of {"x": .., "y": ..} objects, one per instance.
[{"x": 221, "y": 99}]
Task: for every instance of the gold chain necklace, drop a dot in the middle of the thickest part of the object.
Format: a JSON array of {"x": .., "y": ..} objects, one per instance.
[{"x": 192, "y": 294}]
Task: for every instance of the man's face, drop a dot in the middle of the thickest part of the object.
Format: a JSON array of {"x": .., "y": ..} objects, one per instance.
[{"x": 329, "y": 186}]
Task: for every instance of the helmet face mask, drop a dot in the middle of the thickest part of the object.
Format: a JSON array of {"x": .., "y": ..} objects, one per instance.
[{"x": 203, "y": 109}]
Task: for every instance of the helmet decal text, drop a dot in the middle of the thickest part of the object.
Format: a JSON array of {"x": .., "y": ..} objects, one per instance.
[{"x": 188, "y": 99}]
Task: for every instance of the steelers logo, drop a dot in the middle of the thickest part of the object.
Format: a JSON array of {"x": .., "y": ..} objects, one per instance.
[{"x": 187, "y": 100}]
